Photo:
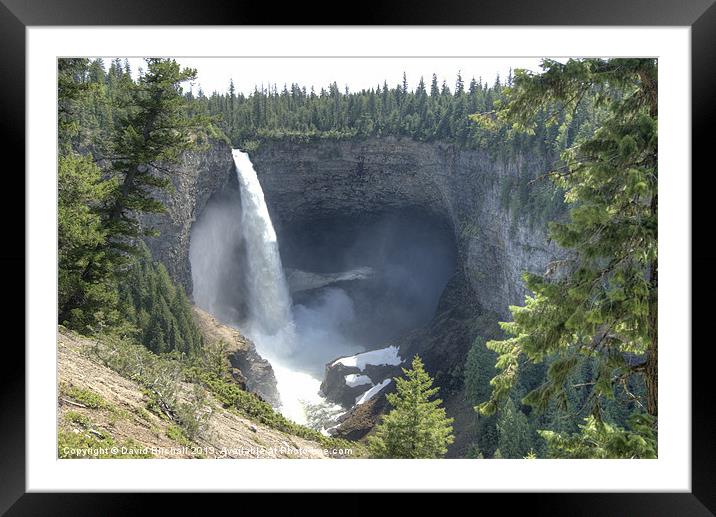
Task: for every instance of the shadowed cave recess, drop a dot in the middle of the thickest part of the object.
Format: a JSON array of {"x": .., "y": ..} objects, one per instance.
[
  {"x": 357, "y": 282},
  {"x": 374, "y": 276}
]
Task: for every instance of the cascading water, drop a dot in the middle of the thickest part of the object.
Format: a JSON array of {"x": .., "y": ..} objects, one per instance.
[
  {"x": 270, "y": 324},
  {"x": 270, "y": 303}
]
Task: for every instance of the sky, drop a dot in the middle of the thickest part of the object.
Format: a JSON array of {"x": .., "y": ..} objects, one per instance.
[{"x": 214, "y": 74}]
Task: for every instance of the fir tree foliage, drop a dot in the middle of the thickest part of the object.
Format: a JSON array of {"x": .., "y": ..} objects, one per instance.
[
  {"x": 514, "y": 432},
  {"x": 73, "y": 85},
  {"x": 479, "y": 369},
  {"x": 158, "y": 309},
  {"x": 86, "y": 298},
  {"x": 600, "y": 303},
  {"x": 154, "y": 131},
  {"x": 601, "y": 440},
  {"x": 417, "y": 426}
]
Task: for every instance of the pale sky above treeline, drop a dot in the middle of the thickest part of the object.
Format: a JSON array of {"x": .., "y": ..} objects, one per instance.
[{"x": 214, "y": 74}]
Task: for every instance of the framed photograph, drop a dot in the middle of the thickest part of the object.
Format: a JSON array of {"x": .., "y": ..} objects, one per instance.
[{"x": 429, "y": 255}]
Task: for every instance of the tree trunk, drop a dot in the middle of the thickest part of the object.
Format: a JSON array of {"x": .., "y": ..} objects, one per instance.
[
  {"x": 652, "y": 363},
  {"x": 652, "y": 366},
  {"x": 651, "y": 375}
]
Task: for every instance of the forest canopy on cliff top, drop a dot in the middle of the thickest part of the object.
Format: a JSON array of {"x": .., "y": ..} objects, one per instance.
[{"x": 431, "y": 110}]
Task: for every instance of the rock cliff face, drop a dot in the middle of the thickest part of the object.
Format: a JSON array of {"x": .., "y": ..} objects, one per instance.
[
  {"x": 308, "y": 181},
  {"x": 304, "y": 182},
  {"x": 199, "y": 175}
]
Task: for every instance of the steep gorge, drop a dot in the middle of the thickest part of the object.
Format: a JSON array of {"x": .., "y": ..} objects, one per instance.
[{"x": 323, "y": 191}]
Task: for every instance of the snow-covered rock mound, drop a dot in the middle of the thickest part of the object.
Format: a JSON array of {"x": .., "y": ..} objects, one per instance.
[{"x": 357, "y": 378}]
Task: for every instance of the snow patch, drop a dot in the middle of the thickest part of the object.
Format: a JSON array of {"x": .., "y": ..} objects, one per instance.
[
  {"x": 353, "y": 380},
  {"x": 371, "y": 392},
  {"x": 384, "y": 356}
]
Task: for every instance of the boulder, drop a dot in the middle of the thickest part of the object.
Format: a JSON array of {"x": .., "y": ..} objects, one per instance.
[
  {"x": 360, "y": 420},
  {"x": 335, "y": 388}
]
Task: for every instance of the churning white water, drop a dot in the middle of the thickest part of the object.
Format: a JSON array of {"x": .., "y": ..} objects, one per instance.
[{"x": 271, "y": 324}]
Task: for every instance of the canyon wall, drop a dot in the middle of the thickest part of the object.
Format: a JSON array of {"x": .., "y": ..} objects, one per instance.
[
  {"x": 198, "y": 176},
  {"x": 318, "y": 180},
  {"x": 304, "y": 182}
]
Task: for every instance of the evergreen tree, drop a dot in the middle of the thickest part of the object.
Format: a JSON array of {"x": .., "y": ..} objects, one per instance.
[
  {"x": 434, "y": 89},
  {"x": 601, "y": 303},
  {"x": 155, "y": 131},
  {"x": 416, "y": 427},
  {"x": 72, "y": 90},
  {"x": 232, "y": 106},
  {"x": 479, "y": 369},
  {"x": 158, "y": 309},
  {"x": 601, "y": 440},
  {"x": 85, "y": 298},
  {"x": 514, "y": 432},
  {"x": 459, "y": 85}
]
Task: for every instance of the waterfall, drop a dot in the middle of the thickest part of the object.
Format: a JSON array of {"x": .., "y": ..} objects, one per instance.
[
  {"x": 269, "y": 300},
  {"x": 238, "y": 277},
  {"x": 271, "y": 324}
]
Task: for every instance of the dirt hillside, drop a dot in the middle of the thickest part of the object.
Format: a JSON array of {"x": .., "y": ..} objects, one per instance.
[{"x": 99, "y": 410}]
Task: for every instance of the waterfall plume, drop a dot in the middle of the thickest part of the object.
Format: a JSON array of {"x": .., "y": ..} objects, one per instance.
[{"x": 269, "y": 300}]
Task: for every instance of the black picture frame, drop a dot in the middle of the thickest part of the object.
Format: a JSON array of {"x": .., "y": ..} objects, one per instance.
[{"x": 700, "y": 15}]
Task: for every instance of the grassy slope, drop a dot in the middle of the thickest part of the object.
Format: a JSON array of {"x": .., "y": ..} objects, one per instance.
[{"x": 99, "y": 409}]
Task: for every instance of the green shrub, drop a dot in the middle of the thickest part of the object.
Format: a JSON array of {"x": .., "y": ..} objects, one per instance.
[
  {"x": 193, "y": 415},
  {"x": 176, "y": 433},
  {"x": 96, "y": 445},
  {"x": 77, "y": 418},
  {"x": 84, "y": 396},
  {"x": 248, "y": 404}
]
